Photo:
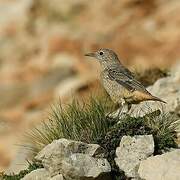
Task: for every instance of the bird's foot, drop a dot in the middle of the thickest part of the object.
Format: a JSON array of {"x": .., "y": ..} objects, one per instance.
[{"x": 123, "y": 111}]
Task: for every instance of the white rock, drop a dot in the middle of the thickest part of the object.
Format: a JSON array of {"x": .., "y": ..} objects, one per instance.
[
  {"x": 62, "y": 146},
  {"x": 41, "y": 174},
  {"x": 82, "y": 166},
  {"x": 74, "y": 159},
  {"x": 131, "y": 151},
  {"x": 57, "y": 177},
  {"x": 161, "y": 167},
  {"x": 38, "y": 174}
]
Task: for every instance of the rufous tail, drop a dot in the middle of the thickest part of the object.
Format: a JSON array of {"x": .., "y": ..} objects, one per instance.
[{"x": 154, "y": 98}]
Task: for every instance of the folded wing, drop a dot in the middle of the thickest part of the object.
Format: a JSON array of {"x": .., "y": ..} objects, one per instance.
[{"x": 125, "y": 78}]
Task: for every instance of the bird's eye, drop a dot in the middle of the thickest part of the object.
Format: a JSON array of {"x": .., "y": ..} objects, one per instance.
[{"x": 101, "y": 53}]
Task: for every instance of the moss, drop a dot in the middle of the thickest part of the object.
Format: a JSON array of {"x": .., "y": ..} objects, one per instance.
[{"x": 32, "y": 166}]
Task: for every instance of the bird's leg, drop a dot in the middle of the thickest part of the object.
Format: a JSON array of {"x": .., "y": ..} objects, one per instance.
[
  {"x": 119, "y": 111},
  {"x": 129, "y": 107},
  {"x": 124, "y": 108}
]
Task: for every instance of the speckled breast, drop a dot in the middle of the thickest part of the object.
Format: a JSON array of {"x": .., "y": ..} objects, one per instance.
[{"x": 115, "y": 90}]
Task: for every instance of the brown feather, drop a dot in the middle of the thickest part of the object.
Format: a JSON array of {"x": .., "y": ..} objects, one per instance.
[{"x": 142, "y": 96}]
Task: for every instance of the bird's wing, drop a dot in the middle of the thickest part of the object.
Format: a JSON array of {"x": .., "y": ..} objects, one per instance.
[
  {"x": 125, "y": 71},
  {"x": 125, "y": 78}
]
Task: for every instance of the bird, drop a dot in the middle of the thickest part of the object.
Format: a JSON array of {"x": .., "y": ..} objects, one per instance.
[{"x": 119, "y": 82}]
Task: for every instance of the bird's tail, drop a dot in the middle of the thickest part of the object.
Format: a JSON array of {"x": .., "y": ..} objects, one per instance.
[{"x": 158, "y": 99}]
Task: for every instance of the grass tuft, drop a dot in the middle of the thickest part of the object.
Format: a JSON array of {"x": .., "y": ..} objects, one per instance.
[{"x": 84, "y": 121}]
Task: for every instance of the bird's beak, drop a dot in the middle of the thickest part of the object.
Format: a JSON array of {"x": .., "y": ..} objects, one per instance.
[{"x": 90, "y": 54}]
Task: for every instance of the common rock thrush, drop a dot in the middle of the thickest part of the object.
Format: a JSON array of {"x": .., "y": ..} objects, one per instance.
[{"x": 119, "y": 82}]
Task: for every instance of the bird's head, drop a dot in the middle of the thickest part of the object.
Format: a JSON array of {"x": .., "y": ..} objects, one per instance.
[{"x": 105, "y": 56}]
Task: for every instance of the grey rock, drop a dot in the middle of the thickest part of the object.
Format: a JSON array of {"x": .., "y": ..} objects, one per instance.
[
  {"x": 41, "y": 174},
  {"x": 38, "y": 174},
  {"x": 82, "y": 166},
  {"x": 57, "y": 177},
  {"x": 74, "y": 160},
  {"x": 165, "y": 166},
  {"x": 66, "y": 147},
  {"x": 131, "y": 151}
]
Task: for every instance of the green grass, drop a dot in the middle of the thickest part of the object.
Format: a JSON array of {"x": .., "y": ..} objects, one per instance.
[{"x": 84, "y": 121}]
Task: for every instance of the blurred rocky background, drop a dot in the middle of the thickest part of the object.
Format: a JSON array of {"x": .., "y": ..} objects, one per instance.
[{"x": 42, "y": 46}]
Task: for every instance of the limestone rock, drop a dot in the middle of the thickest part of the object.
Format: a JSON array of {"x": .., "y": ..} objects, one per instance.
[
  {"x": 166, "y": 167},
  {"x": 74, "y": 160},
  {"x": 131, "y": 151},
  {"x": 38, "y": 174},
  {"x": 41, "y": 174},
  {"x": 66, "y": 147},
  {"x": 82, "y": 166},
  {"x": 57, "y": 177}
]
